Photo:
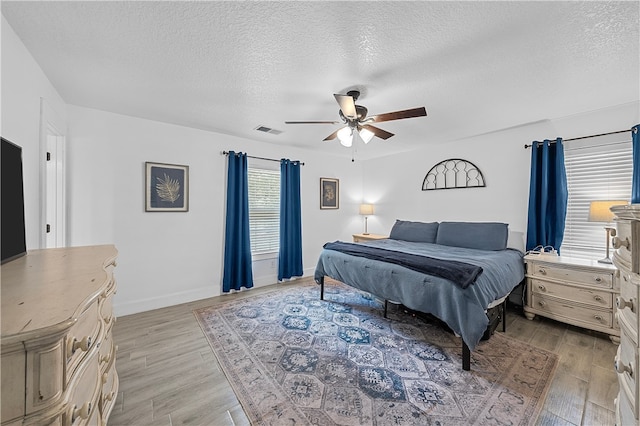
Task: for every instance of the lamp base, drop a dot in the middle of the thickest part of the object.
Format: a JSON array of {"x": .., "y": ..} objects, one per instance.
[
  {"x": 365, "y": 233},
  {"x": 606, "y": 260}
]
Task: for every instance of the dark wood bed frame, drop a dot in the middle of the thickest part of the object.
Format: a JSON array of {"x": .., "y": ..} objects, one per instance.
[{"x": 466, "y": 352}]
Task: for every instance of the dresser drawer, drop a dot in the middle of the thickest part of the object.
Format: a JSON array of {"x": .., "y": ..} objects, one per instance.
[
  {"x": 627, "y": 243},
  {"x": 82, "y": 337},
  {"x": 624, "y": 410},
  {"x": 572, "y": 313},
  {"x": 588, "y": 296},
  {"x": 82, "y": 407},
  {"x": 109, "y": 391},
  {"x": 581, "y": 276},
  {"x": 628, "y": 302},
  {"x": 626, "y": 366}
]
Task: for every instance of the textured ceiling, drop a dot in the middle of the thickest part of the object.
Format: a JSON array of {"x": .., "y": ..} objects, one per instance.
[{"x": 229, "y": 67}]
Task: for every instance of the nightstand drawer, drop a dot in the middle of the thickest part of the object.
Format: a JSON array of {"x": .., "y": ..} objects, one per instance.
[
  {"x": 595, "y": 297},
  {"x": 559, "y": 308},
  {"x": 582, "y": 276}
]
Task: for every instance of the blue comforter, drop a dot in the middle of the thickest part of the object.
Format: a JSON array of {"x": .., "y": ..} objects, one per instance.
[{"x": 462, "y": 309}]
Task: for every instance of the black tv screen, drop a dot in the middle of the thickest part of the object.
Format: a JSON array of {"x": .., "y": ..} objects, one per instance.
[{"x": 12, "y": 198}]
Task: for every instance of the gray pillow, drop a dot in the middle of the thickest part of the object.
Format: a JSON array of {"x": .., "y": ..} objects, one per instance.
[
  {"x": 419, "y": 232},
  {"x": 476, "y": 235}
]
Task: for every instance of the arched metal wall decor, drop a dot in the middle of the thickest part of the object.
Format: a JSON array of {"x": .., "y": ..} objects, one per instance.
[{"x": 453, "y": 173}]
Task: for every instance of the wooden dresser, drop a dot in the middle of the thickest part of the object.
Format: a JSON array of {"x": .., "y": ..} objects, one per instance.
[
  {"x": 626, "y": 257},
  {"x": 574, "y": 291},
  {"x": 58, "y": 356}
]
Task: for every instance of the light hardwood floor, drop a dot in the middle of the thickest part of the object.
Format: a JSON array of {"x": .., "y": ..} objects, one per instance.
[{"x": 169, "y": 376}]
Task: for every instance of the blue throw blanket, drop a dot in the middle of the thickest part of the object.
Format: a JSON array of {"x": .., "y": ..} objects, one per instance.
[{"x": 460, "y": 273}]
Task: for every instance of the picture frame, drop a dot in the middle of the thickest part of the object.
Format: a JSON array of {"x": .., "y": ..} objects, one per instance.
[
  {"x": 166, "y": 187},
  {"x": 329, "y": 193}
]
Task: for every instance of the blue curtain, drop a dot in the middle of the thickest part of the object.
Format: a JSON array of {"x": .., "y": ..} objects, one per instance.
[
  {"x": 547, "y": 195},
  {"x": 237, "y": 244},
  {"x": 290, "y": 256},
  {"x": 635, "y": 182}
]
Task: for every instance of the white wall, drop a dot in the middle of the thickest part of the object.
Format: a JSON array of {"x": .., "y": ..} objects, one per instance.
[
  {"x": 23, "y": 86},
  {"x": 394, "y": 183},
  {"x": 168, "y": 258}
]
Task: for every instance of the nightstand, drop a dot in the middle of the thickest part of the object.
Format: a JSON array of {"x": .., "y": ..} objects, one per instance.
[
  {"x": 574, "y": 291},
  {"x": 359, "y": 238}
]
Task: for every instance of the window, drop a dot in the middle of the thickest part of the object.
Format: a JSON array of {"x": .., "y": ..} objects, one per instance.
[
  {"x": 595, "y": 171},
  {"x": 264, "y": 210}
]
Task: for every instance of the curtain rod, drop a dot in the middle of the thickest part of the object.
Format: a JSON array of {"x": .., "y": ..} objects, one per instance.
[
  {"x": 264, "y": 158},
  {"x": 590, "y": 136}
]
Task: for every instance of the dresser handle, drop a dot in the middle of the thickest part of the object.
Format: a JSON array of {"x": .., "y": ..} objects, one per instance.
[
  {"x": 105, "y": 359},
  {"x": 617, "y": 243},
  {"x": 542, "y": 271},
  {"x": 621, "y": 303},
  {"x": 597, "y": 298},
  {"x": 542, "y": 303},
  {"x": 76, "y": 344},
  {"x": 621, "y": 368},
  {"x": 598, "y": 317},
  {"x": 82, "y": 412},
  {"x": 598, "y": 279},
  {"x": 542, "y": 288}
]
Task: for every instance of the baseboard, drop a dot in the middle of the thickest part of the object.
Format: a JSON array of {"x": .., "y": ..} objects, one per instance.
[{"x": 149, "y": 304}]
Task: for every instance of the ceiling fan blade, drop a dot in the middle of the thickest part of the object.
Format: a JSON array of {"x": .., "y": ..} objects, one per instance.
[
  {"x": 332, "y": 135},
  {"x": 312, "y": 122},
  {"x": 382, "y": 134},
  {"x": 347, "y": 105},
  {"x": 398, "y": 115}
]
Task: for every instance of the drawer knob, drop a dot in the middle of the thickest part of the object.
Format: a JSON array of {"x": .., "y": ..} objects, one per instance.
[
  {"x": 542, "y": 271},
  {"x": 621, "y": 368},
  {"x": 621, "y": 303},
  {"x": 542, "y": 287},
  {"x": 541, "y": 303},
  {"x": 597, "y": 279},
  {"x": 82, "y": 412},
  {"x": 76, "y": 344},
  {"x": 597, "y": 298},
  {"x": 597, "y": 317},
  {"x": 105, "y": 358},
  {"x": 617, "y": 243}
]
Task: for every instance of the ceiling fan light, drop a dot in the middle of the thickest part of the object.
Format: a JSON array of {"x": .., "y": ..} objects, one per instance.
[
  {"x": 366, "y": 135},
  {"x": 346, "y": 136}
]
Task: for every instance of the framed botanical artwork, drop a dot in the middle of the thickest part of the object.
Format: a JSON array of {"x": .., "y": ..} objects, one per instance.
[
  {"x": 166, "y": 187},
  {"x": 329, "y": 193}
]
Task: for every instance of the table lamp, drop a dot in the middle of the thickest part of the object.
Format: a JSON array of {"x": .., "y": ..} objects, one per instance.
[
  {"x": 599, "y": 211},
  {"x": 366, "y": 210}
]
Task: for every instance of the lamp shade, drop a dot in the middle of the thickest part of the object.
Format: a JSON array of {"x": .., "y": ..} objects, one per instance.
[
  {"x": 366, "y": 209},
  {"x": 599, "y": 210},
  {"x": 345, "y": 135},
  {"x": 366, "y": 135}
]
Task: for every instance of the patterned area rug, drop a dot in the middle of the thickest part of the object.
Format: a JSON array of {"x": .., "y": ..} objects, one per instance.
[{"x": 293, "y": 359}]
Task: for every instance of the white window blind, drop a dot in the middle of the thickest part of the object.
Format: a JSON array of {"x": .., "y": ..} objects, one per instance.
[
  {"x": 594, "y": 172},
  {"x": 264, "y": 210}
]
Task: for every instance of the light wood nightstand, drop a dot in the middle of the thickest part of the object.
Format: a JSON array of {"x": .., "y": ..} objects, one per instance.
[
  {"x": 358, "y": 238},
  {"x": 574, "y": 291}
]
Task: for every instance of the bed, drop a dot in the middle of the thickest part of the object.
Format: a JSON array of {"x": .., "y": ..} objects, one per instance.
[{"x": 472, "y": 246}]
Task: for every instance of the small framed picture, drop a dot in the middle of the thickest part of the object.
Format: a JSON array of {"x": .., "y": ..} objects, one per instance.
[
  {"x": 329, "y": 193},
  {"x": 166, "y": 187}
]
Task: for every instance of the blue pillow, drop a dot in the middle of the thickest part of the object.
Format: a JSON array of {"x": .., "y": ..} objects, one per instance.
[
  {"x": 419, "y": 232},
  {"x": 475, "y": 235}
]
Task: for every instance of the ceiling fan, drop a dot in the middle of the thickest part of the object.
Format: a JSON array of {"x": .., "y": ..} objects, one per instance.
[{"x": 357, "y": 122}]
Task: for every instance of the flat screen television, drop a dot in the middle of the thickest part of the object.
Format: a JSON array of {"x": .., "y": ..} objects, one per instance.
[{"x": 12, "y": 232}]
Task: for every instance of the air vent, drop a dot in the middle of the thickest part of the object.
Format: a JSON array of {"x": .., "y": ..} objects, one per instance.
[{"x": 268, "y": 130}]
